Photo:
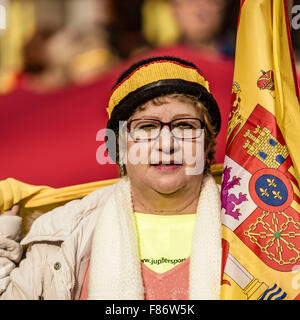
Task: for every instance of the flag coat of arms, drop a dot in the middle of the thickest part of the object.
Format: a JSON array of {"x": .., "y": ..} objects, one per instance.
[{"x": 260, "y": 187}]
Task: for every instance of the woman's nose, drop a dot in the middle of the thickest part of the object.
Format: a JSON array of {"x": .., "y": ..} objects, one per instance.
[{"x": 166, "y": 141}]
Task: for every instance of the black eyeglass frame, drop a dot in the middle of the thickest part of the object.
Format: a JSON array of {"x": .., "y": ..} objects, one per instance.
[{"x": 169, "y": 125}]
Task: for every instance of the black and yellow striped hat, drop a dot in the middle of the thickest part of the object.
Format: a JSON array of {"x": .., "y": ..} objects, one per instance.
[{"x": 155, "y": 77}]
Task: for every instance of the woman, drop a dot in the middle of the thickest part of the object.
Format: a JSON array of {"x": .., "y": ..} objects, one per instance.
[{"x": 156, "y": 233}]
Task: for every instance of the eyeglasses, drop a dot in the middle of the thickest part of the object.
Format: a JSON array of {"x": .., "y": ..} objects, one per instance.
[{"x": 150, "y": 129}]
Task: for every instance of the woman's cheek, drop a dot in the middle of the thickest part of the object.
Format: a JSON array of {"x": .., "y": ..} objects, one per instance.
[
  {"x": 193, "y": 155},
  {"x": 138, "y": 153}
]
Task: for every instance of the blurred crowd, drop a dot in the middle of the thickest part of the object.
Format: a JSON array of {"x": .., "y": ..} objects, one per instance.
[
  {"x": 54, "y": 102},
  {"x": 79, "y": 47}
]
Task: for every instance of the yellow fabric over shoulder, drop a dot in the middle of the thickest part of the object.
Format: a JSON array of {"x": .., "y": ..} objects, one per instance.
[{"x": 13, "y": 192}]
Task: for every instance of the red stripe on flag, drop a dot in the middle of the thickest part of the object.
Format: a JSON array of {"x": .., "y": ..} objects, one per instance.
[
  {"x": 296, "y": 198},
  {"x": 242, "y": 3},
  {"x": 285, "y": 167},
  {"x": 292, "y": 178}
]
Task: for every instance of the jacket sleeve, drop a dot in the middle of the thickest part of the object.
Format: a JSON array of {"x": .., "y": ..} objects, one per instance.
[
  {"x": 10, "y": 248},
  {"x": 24, "y": 281}
]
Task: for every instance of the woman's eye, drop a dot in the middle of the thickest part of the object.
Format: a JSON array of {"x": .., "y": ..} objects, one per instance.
[
  {"x": 147, "y": 127},
  {"x": 184, "y": 125}
]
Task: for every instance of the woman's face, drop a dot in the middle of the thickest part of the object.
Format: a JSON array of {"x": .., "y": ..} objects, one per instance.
[
  {"x": 199, "y": 20},
  {"x": 166, "y": 164}
]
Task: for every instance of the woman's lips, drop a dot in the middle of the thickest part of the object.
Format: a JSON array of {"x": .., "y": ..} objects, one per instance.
[{"x": 166, "y": 167}]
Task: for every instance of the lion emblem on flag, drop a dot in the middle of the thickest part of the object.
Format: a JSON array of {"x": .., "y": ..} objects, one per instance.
[{"x": 229, "y": 201}]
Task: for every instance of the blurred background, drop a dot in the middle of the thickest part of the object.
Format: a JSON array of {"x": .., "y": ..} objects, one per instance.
[
  {"x": 53, "y": 43},
  {"x": 60, "y": 58}
]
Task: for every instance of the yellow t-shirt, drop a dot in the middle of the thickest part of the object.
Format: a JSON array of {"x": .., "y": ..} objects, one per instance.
[{"x": 164, "y": 240}]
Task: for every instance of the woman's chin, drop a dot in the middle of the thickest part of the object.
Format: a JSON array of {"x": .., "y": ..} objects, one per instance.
[{"x": 168, "y": 181}]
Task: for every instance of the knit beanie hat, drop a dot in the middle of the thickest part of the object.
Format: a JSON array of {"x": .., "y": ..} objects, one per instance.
[{"x": 154, "y": 77}]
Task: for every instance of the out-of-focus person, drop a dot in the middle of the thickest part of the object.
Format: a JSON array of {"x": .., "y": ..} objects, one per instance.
[
  {"x": 45, "y": 56},
  {"x": 201, "y": 23},
  {"x": 56, "y": 58},
  {"x": 126, "y": 28},
  {"x": 92, "y": 55},
  {"x": 209, "y": 26},
  {"x": 42, "y": 69}
]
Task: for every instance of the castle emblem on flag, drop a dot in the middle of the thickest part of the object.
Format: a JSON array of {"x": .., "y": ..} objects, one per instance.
[{"x": 265, "y": 147}]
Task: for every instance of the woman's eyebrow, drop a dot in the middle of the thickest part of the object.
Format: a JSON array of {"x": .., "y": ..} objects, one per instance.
[
  {"x": 176, "y": 116},
  {"x": 146, "y": 117},
  {"x": 184, "y": 115}
]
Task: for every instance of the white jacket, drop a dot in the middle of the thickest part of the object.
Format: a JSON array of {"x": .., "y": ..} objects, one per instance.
[{"x": 60, "y": 247}]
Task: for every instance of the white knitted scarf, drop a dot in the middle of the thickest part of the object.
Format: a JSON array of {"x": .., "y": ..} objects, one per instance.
[{"x": 115, "y": 268}]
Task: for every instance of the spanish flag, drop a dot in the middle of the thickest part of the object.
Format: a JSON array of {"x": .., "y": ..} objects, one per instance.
[{"x": 260, "y": 185}]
